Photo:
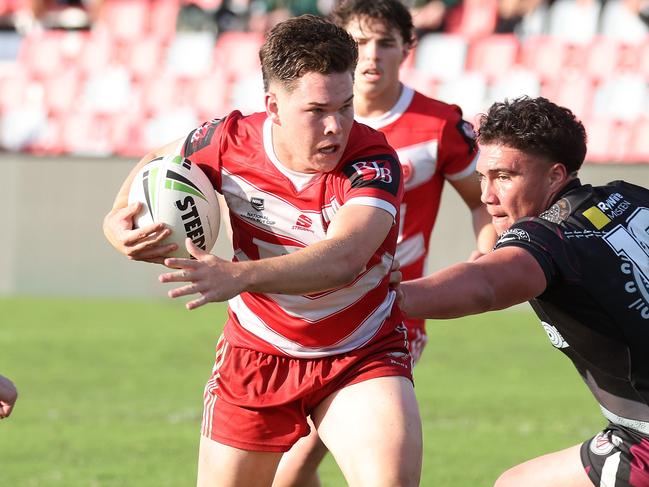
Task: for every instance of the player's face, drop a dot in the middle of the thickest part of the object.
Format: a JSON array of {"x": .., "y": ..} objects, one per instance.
[
  {"x": 381, "y": 50},
  {"x": 514, "y": 184},
  {"x": 312, "y": 121}
]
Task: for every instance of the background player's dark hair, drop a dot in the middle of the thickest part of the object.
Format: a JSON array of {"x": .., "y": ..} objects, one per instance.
[
  {"x": 392, "y": 13},
  {"x": 306, "y": 44},
  {"x": 536, "y": 126}
]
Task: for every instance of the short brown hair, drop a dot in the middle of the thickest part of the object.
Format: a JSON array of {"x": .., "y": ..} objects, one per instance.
[
  {"x": 538, "y": 127},
  {"x": 391, "y": 13},
  {"x": 306, "y": 44}
]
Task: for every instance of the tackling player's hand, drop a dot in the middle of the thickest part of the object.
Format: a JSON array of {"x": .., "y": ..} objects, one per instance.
[
  {"x": 136, "y": 243},
  {"x": 212, "y": 278},
  {"x": 8, "y": 396},
  {"x": 395, "y": 279},
  {"x": 475, "y": 255}
]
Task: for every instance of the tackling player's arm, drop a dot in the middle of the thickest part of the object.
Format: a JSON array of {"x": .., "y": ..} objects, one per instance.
[
  {"x": 352, "y": 238},
  {"x": 469, "y": 190},
  {"x": 140, "y": 243},
  {"x": 502, "y": 278}
]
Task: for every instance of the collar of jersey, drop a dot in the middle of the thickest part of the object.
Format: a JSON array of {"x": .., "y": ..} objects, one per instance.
[{"x": 393, "y": 113}]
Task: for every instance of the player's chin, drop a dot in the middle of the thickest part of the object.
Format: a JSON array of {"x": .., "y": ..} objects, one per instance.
[{"x": 326, "y": 161}]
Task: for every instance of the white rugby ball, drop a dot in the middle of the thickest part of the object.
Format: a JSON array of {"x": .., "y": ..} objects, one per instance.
[{"x": 177, "y": 192}]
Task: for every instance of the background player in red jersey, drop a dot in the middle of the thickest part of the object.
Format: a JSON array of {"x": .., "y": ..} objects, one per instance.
[
  {"x": 313, "y": 329},
  {"x": 580, "y": 255},
  {"x": 434, "y": 145}
]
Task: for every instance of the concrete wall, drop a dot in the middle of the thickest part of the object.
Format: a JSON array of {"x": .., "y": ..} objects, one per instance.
[{"x": 51, "y": 242}]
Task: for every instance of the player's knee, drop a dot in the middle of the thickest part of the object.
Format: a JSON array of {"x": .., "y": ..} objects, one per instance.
[{"x": 506, "y": 479}]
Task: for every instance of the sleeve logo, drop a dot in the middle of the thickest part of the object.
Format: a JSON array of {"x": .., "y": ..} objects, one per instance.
[{"x": 382, "y": 171}]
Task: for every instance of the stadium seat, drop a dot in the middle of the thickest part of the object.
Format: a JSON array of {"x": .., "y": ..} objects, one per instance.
[
  {"x": 247, "y": 94},
  {"x": 238, "y": 53},
  {"x": 441, "y": 56},
  {"x": 159, "y": 93},
  {"x": 163, "y": 15},
  {"x": 96, "y": 54},
  {"x": 125, "y": 134},
  {"x": 574, "y": 20},
  {"x": 513, "y": 84},
  {"x": 573, "y": 91},
  {"x": 210, "y": 96},
  {"x": 621, "y": 97},
  {"x": 473, "y": 19},
  {"x": 143, "y": 58},
  {"x": 643, "y": 60},
  {"x": 169, "y": 125},
  {"x": 621, "y": 23},
  {"x": 638, "y": 149},
  {"x": 419, "y": 81},
  {"x": 13, "y": 88},
  {"x": 492, "y": 55},
  {"x": 190, "y": 54},
  {"x": 545, "y": 55},
  {"x": 41, "y": 53},
  {"x": 469, "y": 91},
  {"x": 602, "y": 57},
  {"x": 107, "y": 91},
  {"x": 21, "y": 126},
  {"x": 61, "y": 92},
  {"x": 599, "y": 147},
  {"x": 125, "y": 20}
]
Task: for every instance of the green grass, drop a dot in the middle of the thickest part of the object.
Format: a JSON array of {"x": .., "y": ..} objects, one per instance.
[{"x": 111, "y": 394}]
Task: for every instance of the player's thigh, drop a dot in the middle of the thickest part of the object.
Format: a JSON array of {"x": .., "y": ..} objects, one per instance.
[
  {"x": 562, "y": 468},
  {"x": 373, "y": 430},
  {"x": 299, "y": 465},
  {"x": 220, "y": 465}
]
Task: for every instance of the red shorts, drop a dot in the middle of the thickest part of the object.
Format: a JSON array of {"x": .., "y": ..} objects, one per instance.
[{"x": 260, "y": 402}]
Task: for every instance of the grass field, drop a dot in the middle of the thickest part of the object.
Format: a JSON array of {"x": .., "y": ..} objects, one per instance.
[{"x": 110, "y": 394}]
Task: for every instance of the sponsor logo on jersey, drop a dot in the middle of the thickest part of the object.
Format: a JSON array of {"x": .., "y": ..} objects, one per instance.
[
  {"x": 597, "y": 217},
  {"x": 303, "y": 222},
  {"x": 381, "y": 171},
  {"x": 257, "y": 203},
  {"x": 201, "y": 137},
  {"x": 555, "y": 337},
  {"x": 558, "y": 212},
  {"x": 513, "y": 234},
  {"x": 603, "y": 445}
]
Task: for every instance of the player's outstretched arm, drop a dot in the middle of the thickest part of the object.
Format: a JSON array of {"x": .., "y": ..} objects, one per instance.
[
  {"x": 118, "y": 225},
  {"x": 8, "y": 397},
  {"x": 352, "y": 238},
  {"x": 502, "y": 278}
]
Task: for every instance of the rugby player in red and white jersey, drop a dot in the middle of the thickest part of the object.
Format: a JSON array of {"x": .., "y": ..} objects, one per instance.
[
  {"x": 313, "y": 329},
  {"x": 434, "y": 145}
]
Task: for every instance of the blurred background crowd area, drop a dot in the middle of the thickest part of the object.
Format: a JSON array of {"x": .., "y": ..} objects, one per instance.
[{"x": 119, "y": 77}]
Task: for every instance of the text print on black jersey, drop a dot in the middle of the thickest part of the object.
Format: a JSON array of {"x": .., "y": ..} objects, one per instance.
[
  {"x": 631, "y": 242},
  {"x": 382, "y": 171},
  {"x": 201, "y": 137}
]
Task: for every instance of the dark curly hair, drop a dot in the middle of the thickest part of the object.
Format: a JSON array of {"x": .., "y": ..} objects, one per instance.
[
  {"x": 392, "y": 13},
  {"x": 536, "y": 126},
  {"x": 306, "y": 44}
]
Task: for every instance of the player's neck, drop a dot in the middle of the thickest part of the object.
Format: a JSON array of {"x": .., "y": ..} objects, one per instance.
[{"x": 369, "y": 107}]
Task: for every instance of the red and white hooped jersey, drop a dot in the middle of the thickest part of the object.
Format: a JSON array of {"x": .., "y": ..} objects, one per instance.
[
  {"x": 434, "y": 144},
  {"x": 275, "y": 211}
]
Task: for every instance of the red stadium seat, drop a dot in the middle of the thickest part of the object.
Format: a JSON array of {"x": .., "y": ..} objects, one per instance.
[
  {"x": 473, "y": 18},
  {"x": 125, "y": 20},
  {"x": 600, "y": 148},
  {"x": 492, "y": 55},
  {"x": 144, "y": 57},
  {"x": 41, "y": 53},
  {"x": 158, "y": 94},
  {"x": 238, "y": 53},
  {"x": 544, "y": 55},
  {"x": 441, "y": 56},
  {"x": 210, "y": 96},
  {"x": 61, "y": 92},
  {"x": 163, "y": 15},
  {"x": 96, "y": 54},
  {"x": 602, "y": 57},
  {"x": 638, "y": 150},
  {"x": 572, "y": 91}
]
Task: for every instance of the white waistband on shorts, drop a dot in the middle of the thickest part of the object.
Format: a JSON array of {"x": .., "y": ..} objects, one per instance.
[{"x": 634, "y": 424}]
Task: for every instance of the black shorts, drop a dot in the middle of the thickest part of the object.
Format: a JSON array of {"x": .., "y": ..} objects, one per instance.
[{"x": 617, "y": 456}]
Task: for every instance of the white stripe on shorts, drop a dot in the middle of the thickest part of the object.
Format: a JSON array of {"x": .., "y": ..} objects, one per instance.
[{"x": 609, "y": 470}]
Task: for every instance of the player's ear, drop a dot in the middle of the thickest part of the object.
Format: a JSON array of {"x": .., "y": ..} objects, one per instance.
[
  {"x": 272, "y": 110},
  {"x": 557, "y": 175}
]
